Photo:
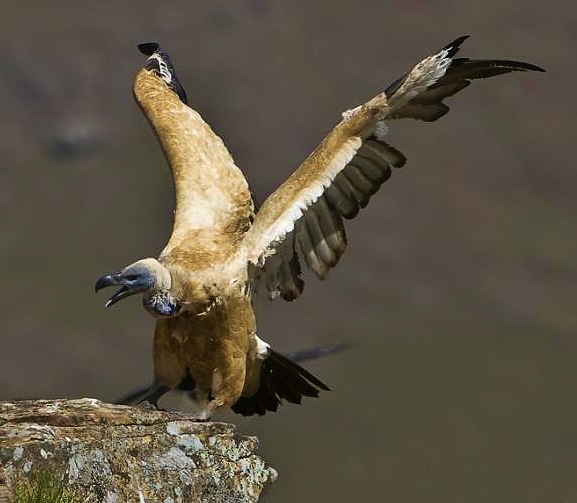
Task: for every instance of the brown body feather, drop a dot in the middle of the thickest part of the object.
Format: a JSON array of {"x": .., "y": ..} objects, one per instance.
[
  {"x": 217, "y": 350},
  {"x": 210, "y": 342}
]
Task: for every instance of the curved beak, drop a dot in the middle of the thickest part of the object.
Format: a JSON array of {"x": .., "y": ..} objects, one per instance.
[
  {"x": 131, "y": 282},
  {"x": 107, "y": 280}
]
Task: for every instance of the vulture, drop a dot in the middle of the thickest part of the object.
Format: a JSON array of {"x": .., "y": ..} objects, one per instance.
[{"x": 221, "y": 250}]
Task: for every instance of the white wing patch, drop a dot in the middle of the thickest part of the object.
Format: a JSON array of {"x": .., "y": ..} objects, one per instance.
[
  {"x": 262, "y": 348},
  {"x": 381, "y": 130},
  {"x": 163, "y": 68},
  {"x": 311, "y": 226},
  {"x": 423, "y": 75},
  {"x": 307, "y": 196}
]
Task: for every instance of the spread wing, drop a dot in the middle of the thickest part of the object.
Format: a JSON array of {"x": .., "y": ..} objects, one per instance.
[
  {"x": 211, "y": 192},
  {"x": 304, "y": 216}
]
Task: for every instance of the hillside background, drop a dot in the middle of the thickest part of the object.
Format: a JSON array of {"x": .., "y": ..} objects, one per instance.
[{"x": 459, "y": 286}]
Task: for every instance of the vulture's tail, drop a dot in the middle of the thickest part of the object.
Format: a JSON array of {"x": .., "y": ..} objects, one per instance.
[{"x": 281, "y": 378}]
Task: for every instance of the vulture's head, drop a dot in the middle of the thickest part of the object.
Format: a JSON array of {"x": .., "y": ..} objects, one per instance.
[{"x": 148, "y": 277}]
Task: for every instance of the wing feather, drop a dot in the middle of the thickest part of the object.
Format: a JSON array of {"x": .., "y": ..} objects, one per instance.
[
  {"x": 305, "y": 214},
  {"x": 332, "y": 227},
  {"x": 210, "y": 191},
  {"x": 351, "y": 192},
  {"x": 319, "y": 241},
  {"x": 360, "y": 181},
  {"x": 292, "y": 284},
  {"x": 371, "y": 170},
  {"x": 340, "y": 202},
  {"x": 309, "y": 250}
]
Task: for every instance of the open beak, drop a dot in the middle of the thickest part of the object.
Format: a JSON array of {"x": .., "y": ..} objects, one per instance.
[{"x": 130, "y": 284}]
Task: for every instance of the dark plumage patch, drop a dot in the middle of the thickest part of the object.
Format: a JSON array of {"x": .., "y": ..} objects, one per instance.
[
  {"x": 148, "y": 48},
  {"x": 280, "y": 379},
  {"x": 151, "y": 394},
  {"x": 187, "y": 384},
  {"x": 159, "y": 61},
  {"x": 454, "y": 46},
  {"x": 394, "y": 86}
]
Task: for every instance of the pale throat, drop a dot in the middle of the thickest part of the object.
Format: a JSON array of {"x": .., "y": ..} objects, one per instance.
[{"x": 160, "y": 302}]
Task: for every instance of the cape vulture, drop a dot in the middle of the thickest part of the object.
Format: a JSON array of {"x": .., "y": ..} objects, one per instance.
[{"x": 200, "y": 287}]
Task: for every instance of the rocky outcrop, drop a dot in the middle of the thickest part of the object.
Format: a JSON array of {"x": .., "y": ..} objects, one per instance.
[{"x": 97, "y": 452}]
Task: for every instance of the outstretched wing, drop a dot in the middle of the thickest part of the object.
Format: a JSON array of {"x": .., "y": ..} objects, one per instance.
[
  {"x": 211, "y": 192},
  {"x": 305, "y": 214}
]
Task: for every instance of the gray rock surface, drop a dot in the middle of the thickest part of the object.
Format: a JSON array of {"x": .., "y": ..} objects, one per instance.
[{"x": 111, "y": 453}]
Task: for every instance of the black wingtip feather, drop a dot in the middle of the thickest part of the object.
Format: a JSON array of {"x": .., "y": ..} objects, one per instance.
[
  {"x": 148, "y": 48},
  {"x": 517, "y": 65},
  {"x": 428, "y": 104},
  {"x": 506, "y": 65},
  {"x": 455, "y": 45},
  {"x": 163, "y": 66}
]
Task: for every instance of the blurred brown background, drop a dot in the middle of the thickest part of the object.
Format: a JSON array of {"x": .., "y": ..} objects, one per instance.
[{"x": 459, "y": 285}]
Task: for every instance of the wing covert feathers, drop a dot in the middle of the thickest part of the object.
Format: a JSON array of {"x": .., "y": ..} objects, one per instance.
[
  {"x": 211, "y": 192},
  {"x": 304, "y": 216}
]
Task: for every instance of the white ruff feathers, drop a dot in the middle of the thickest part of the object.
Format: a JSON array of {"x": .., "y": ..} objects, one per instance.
[{"x": 423, "y": 75}]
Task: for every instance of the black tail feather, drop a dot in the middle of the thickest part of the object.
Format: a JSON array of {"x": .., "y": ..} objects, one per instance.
[
  {"x": 301, "y": 372},
  {"x": 150, "y": 394},
  {"x": 132, "y": 398},
  {"x": 268, "y": 396},
  {"x": 280, "y": 379}
]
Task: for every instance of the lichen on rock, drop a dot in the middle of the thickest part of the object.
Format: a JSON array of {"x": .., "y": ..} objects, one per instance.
[{"x": 111, "y": 453}]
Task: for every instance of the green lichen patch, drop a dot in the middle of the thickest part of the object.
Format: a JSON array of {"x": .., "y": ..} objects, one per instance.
[{"x": 45, "y": 487}]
